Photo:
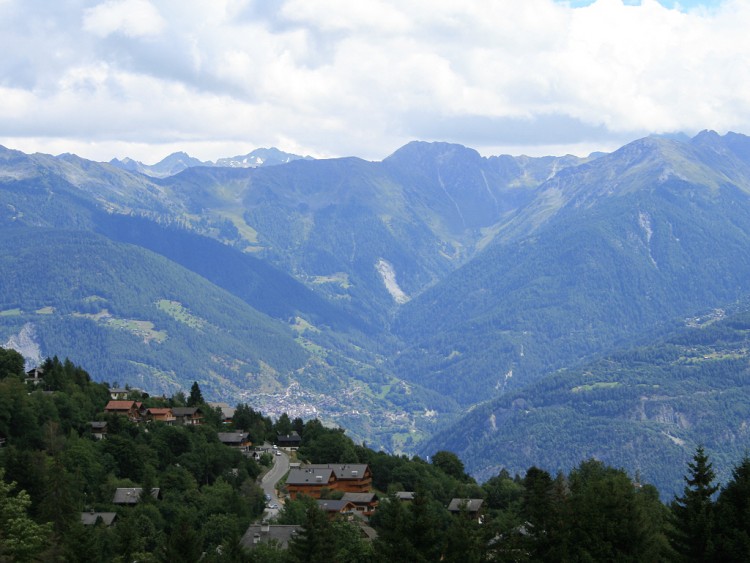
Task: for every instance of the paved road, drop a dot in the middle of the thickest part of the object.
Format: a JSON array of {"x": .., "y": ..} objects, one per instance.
[{"x": 268, "y": 484}]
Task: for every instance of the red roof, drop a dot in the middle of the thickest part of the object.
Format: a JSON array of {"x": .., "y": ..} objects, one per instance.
[{"x": 119, "y": 405}]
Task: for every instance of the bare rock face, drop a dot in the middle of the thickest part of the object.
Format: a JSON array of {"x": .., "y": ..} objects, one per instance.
[{"x": 26, "y": 344}]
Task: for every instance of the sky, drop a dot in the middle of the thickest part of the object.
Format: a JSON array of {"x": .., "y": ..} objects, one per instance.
[{"x": 330, "y": 78}]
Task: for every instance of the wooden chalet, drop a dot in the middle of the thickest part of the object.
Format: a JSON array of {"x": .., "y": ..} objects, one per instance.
[
  {"x": 131, "y": 409},
  {"x": 160, "y": 414},
  {"x": 310, "y": 480},
  {"x": 98, "y": 429},
  {"x": 292, "y": 440},
  {"x": 472, "y": 507},
  {"x": 35, "y": 376},
  {"x": 364, "y": 503},
  {"x": 188, "y": 415},
  {"x": 237, "y": 440},
  {"x": 336, "y": 508}
]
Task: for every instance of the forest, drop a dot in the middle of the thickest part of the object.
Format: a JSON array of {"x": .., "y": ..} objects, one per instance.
[{"x": 53, "y": 470}]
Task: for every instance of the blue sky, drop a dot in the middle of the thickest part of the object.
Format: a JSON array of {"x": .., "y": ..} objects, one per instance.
[{"x": 143, "y": 78}]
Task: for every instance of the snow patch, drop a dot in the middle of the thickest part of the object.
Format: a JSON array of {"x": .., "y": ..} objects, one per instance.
[{"x": 388, "y": 274}]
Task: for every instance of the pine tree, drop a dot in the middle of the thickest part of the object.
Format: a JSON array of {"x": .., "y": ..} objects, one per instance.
[
  {"x": 196, "y": 397},
  {"x": 733, "y": 516},
  {"x": 693, "y": 512}
]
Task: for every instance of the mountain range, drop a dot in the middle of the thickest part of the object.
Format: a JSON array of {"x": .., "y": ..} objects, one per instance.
[{"x": 437, "y": 299}]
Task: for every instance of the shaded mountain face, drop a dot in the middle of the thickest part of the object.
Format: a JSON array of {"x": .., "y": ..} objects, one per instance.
[{"x": 412, "y": 288}]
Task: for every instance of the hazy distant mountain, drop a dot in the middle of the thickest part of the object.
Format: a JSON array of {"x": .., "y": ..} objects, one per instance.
[
  {"x": 410, "y": 289},
  {"x": 179, "y": 161}
]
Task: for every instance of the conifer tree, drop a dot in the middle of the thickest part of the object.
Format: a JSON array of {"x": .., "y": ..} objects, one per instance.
[
  {"x": 693, "y": 512},
  {"x": 196, "y": 397},
  {"x": 733, "y": 516}
]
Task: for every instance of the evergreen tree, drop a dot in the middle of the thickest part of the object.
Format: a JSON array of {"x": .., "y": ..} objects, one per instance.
[
  {"x": 196, "y": 397},
  {"x": 21, "y": 539},
  {"x": 733, "y": 516},
  {"x": 693, "y": 512}
]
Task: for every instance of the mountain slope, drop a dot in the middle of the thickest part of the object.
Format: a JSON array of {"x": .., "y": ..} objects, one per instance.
[
  {"x": 624, "y": 250},
  {"x": 644, "y": 409}
]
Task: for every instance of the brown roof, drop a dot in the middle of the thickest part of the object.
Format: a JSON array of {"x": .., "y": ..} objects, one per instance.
[
  {"x": 159, "y": 410},
  {"x": 119, "y": 405}
]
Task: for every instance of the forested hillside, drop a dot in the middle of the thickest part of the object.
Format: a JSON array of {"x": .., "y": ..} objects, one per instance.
[
  {"x": 55, "y": 472},
  {"x": 643, "y": 408},
  {"x": 389, "y": 297}
]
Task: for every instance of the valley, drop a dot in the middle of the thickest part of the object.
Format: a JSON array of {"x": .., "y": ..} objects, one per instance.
[{"x": 435, "y": 299}]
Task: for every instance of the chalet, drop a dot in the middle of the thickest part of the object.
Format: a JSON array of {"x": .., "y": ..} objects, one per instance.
[
  {"x": 292, "y": 440},
  {"x": 227, "y": 412},
  {"x": 159, "y": 414},
  {"x": 309, "y": 481},
  {"x": 364, "y": 503},
  {"x": 131, "y": 495},
  {"x": 125, "y": 408},
  {"x": 91, "y": 518},
  {"x": 35, "y": 376},
  {"x": 405, "y": 496},
  {"x": 269, "y": 534},
  {"x": 98, "y": 429},
  {"x": 238, "y": 440},
  {"x": 336, "y": 508},
  {"x": 472, "y": 507},
  {"x": 188, "y": 415}
]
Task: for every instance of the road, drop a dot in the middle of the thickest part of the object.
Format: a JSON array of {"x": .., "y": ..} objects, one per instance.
[{"x": 268, "y": 483}]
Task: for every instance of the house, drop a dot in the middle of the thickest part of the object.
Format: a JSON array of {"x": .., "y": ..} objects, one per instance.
[
  {"x": 188, "y": 415},
  {"x": 269, "y": 534},
  {"x": 471, "y": 506},
  {"x": 405, "y": 496},
  {"x": 131, "y": 495},
  {"x": 125, "y": 408},
  {"x": 335, "y": 508},
  {"x": 159, "y": 414},
  {"x": 35, "y": 376},
  {"x": 292, "y": 440},
  {"x": 364, "y": 503},
  {"x": 98, "y": 429},
  {"x": 227, "y": 412},
  {"x": 237, "y": 440},
  {"x": 309, "y": 481},
  {"x": 91, "y": 518}
]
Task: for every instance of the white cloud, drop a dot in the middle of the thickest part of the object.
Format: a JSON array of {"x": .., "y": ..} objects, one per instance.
[
  {"x": 334, "y": 77},
  {"x": 133, "y": 18}
]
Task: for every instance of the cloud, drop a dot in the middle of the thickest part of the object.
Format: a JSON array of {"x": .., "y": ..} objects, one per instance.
[
  {"x": 133, "y": 18},
  {"x": 332, "y": 77}
]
